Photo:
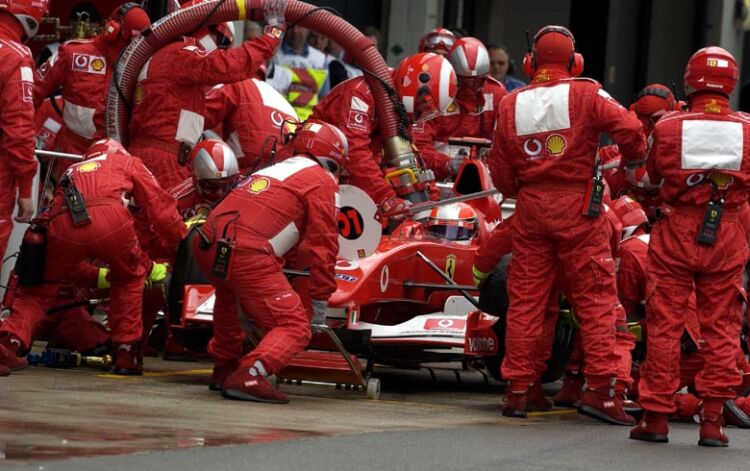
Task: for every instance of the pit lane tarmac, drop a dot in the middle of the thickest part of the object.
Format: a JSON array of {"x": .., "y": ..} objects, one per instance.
[{"x": 168, "y": 419}]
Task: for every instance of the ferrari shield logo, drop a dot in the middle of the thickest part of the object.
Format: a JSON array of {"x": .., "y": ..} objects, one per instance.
[{"x": 450, "y": 266}]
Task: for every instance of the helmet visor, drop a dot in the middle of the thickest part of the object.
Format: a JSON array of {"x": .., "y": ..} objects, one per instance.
[{"x": 456, "y": 233}]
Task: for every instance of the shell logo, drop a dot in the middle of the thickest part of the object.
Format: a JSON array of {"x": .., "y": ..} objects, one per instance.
[
  {"x": 555, "y": 144},
  {"x": 259, "y": 186},
  {"x": 721, "y": 180},
  {"x": 88, "y": 167},
  {"x": 97, "y": 65}
]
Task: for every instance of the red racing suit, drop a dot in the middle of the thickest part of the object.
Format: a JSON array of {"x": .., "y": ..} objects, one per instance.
[
  {"x": 17, "y": 162},
  {"x": 700, "y": 156},
  {"x": 169, "y": 108},
  {"x": 82, "y": 68},
  {"x": 457, "y": 122},
  {"x": 350, "y": 106},
  {"x": 265, "y": 217},
  {"x": 110, "y": 237},
  {"x": 544, "y": 150},
  {"x": 251, "y": 113}
]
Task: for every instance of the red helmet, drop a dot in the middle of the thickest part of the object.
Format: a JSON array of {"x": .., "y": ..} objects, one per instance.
[
  {"x": 28, "y": 12},
  {"x": 439, "y": 41},
  {"x": 212, "y": 37},
  {"x": 104, "y": 147},
  {"x": 128, "y": 20},
  {"x": 654, "y": 100},
  {"x": 711, "y": 69},
  {"x": 553, "y": 46},
  {"x": 629, "y": 211},
  {"x": 426, "y": 84},
  {"x": 471, "y": 62},
  {"x": 215, "y": 168},
  {"x": 325, "y": 143}
]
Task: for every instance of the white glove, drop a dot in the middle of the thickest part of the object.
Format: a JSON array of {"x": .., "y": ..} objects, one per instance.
[
  {"x": 319, "y": 312},
  {"x": 274, "y": 13}
]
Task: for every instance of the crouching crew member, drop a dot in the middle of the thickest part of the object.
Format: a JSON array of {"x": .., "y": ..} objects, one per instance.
[{"x": 241, "y": 251}]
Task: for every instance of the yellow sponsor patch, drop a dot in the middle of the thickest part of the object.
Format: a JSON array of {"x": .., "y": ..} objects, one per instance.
[
  {"x": 88, "y": 167},
  {"x": 259, "y": 186},
  {"x": 555, "y": 144}
]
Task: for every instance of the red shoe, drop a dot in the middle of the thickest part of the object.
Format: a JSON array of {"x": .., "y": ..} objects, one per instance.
[
  {"x": 653, "y": 427},
  {"x": 9, "y": 354},
  {"x": 516, "y": 399},
  {"x": 712, "y": 432},
  {"x": 605, "y": 404},
  {"x": 128, "y": 360},
  {"x": 571, "y": 391},
  {"x": 535, "y": 400},
  {"x": 220, "y": 374},
  {"x": 688, "y": 406},
  {"x": 734, "y": 415},
  {"x": 243, "y": 386},
  {"x": 4, "y": 371}
]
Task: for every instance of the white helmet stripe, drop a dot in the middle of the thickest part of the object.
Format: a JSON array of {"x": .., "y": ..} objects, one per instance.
[{"x": 446, "y": 69}]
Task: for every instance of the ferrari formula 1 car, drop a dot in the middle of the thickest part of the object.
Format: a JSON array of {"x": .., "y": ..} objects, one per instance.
[{"x": 410, "y": 303}]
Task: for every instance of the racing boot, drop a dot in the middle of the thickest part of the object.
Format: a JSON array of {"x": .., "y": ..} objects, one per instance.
[
  {"x": 220, "y": 374},
  {"x": 734, "y": 414},
  {"x": 605, "y": 404},
  {"x": 712, "y": 433},
  {"x": 4, "y": 371},
  {"x": 653, "y": 427},
  {"x": 9, "y": 350},
  {"x": 128, "y": 360},
  {"x": 535, "y": 400},
  {"x": 516, "y": 400},
  {"x": 688, "y": 407},
  {"x": 251, "y": 384},
  {"x": 571, "y": 390}
]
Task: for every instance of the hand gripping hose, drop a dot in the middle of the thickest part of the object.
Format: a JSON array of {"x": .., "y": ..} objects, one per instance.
[{"x": 184, "y": 21}]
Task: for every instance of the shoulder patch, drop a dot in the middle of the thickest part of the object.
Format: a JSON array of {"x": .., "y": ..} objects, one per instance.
[
  {"x": 359, "y": 105},
  {"x": 89, "y": 63}
]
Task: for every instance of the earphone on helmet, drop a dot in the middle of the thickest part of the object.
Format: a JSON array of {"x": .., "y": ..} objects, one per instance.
[
  {"x": 113, "y": 26},
  {"x": 575, "y": 66}
]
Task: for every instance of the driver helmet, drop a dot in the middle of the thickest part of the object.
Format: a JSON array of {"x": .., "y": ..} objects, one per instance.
[{"x": 455, "y": 222}]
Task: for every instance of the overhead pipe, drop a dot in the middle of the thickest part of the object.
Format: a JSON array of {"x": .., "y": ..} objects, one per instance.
[{"x": 184, "y": 21}]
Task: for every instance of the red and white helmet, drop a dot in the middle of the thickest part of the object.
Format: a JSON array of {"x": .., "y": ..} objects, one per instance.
[
  {"x": 639, "y": 178},
  {"x": 711, "y": 69},
  {"x": 325, "y": 143},
  {"x": 28, "y": 12},
  {"x": 426, "y": 84},
  {"x": 455, "y": 222},
  {"x": 104, "y": 147},
  {"x": 630, "y": 213},
  {"x": 439, "y": 41},
  {"x": 471, "y": 62},
  {"x": 215, "y": 168},
  {"x": 212, "y": 37}
]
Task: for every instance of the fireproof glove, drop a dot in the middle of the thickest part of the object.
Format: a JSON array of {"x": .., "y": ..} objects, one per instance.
[
  {"x": 102, "y": 282},
  {"x": 394, "y": 203},
  {"x": 479, "y": 276},
  {"x": 274, "y": 15},
  {"x": 319, "y": 312}
]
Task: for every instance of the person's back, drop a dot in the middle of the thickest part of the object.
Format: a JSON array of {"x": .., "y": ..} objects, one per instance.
[{"x": 544, "y": 152}]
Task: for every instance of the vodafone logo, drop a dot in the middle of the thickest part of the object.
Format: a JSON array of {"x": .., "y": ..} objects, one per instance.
[
  {"x": 276, "y": 118},
  {"x": 445, "y": 324},
  {"x": 532, "y": 147}
]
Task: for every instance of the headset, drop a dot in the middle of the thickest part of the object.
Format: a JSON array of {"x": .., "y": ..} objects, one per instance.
[
  {"x": 670, "y": 98},
  {"x": 575, "y": 66},
  {"x": 113, "y": 27}
]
